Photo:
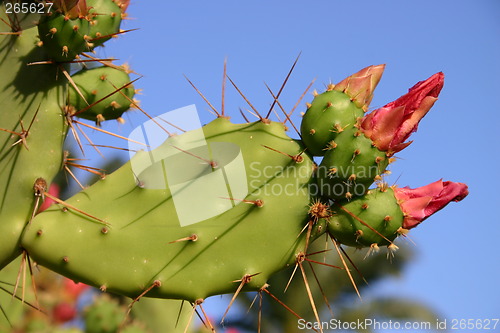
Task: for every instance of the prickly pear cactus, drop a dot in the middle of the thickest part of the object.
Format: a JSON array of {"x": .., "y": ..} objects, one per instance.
[
  {"x": 63, "y": 37},
  {"x": 337, "y": 108},
  {"x": 140, "y": 235},
  {"x": 350, "y": 165},
  {"x": 31, "y": 102},
  {"x": 94, "y": 95},
  {"x": 214, "y": 210},
  {"x": 105, "y": 18},
  {"x": 380, "y": 210}
]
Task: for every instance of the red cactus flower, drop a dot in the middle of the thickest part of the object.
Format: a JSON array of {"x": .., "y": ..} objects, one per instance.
[
  {"x": 360, "y": 86},
  {"x": 420, "y": 203},
  {"x": 123, "y": 4},
  {"x": 63, "y": 312},
  {"x": 73, "y": 8},
  {"x": 74, "y": 289},
  {"x": 232, "y": 330},
  {"x": 389, "y": 126}
]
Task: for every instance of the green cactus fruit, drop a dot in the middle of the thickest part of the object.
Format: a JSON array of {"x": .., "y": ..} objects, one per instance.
[
  {"x": 380, "y": 214},
  {"x": 32, "y": 132},
  {"x": 350, "y": 165},
  {"x": 105, "y": 20},
  {"x": 95, "y": 84},
  {"x": 329, "y": 113},
  {"x": 251, "y": 231},
  {"x": 103, "y": 316},
  {"x": 62, "y": 37},
  {"x": 338, "y": 108}
]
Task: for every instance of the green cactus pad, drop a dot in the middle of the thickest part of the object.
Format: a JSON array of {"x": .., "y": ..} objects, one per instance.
[
  {"x": 105, "y": 20},
  {"x": 135, "y": 328},
  {"x": 350, "y": 165},
  {"x": 63, "y": 38},
  {"x": 24, "y": 90},
  {"x": 97, "y": 83},
  {"x": 378, "y": 209},
  {"x": 329, "y": 113},
  {"x": 146, "y": 241}
]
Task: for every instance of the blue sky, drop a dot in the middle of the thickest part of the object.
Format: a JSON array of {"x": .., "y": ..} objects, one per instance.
[{"x": 456, "y": 268}]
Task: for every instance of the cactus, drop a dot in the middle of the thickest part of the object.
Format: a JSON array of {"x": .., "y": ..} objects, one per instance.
[
  {"x": 380, "y": 210},
  {"x": 145, "y": 219},
  {"x": 94, "y": 95},
  {"x": 350, "y": 165},
  {"x": 31, "y": 102},
  {"x": 71, "y": 29},
  {"x": 382, "y": 214},
  {"x": 105, "y": 19},
  {"x": 212, "y": 211},
  {"x": 104, "y": 316},
  {"x": 63, "y": 37},
  {"x": 359, "y": 153},
  {"x": 338, "y": 107}
]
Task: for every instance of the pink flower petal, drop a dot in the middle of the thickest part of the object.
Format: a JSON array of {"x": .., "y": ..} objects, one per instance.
[
  {"x": 360, "y": 86},
  {"x": 391, "y": 125},
  {"x": 420, "y": 203}
]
